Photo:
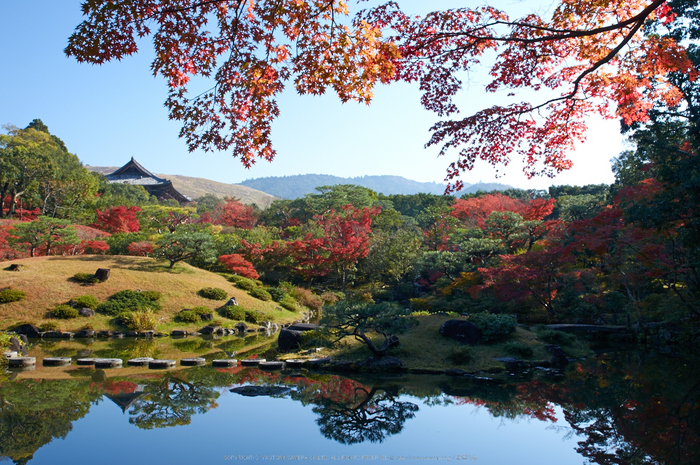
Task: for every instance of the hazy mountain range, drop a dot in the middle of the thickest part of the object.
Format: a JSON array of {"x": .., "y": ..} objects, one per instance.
[{"x": 292, "y": 187}]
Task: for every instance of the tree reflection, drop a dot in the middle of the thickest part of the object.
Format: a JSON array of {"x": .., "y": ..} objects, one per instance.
[
  {"x": 171, "y": 401},
  {"x": 370, "y": 415}
]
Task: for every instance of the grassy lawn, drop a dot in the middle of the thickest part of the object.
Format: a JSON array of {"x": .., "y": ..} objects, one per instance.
[{"x": 46, "y": 282}]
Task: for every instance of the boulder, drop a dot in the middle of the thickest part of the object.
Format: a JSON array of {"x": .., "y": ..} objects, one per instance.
[
  {"x": 232, "y": 301},
  {"x": 207, "y": 316},
  {"x": 179, "y": 333},
  {"x": 512, "y": 364},
  {"x": 86, "y": 312},
  {"x": 28, "y": 330},
  {"x": 559, "y": 358},
  {"x": 386, "y": 363},
  {"x": 210, "y": 330},
  {"x": 84, "y": 333},
  {"x": 289, "y": 340},
  {"x": 463, "y": 331},
  {"x": 241, "y": 327},
  {"x": 15, "y": 345},
  {"x": 102, "y": 274}
]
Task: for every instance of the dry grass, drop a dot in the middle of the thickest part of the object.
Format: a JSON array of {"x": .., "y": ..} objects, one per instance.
[
  {"x": 47, "y": 283},
  {"x": 423, "y": 347}
]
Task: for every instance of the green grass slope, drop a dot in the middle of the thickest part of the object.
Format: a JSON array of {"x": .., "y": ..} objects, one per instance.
[{"x": 46, "y": 282}]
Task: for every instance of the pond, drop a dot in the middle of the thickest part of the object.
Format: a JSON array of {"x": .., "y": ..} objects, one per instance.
[{"x": 619, "y": 407}]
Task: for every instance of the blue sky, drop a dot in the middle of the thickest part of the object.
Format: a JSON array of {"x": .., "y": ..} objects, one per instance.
[{"x": 107, "y": 114}]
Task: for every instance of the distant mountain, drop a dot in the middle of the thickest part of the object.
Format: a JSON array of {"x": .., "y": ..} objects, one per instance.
[
  {"x": 197, "y": 187},
  {"x": 292, "y": 187}
]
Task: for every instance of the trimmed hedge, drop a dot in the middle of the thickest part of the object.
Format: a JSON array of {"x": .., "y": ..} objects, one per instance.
[
  {"x": 494, "y": 327},
  {"x": 213, "y": 293},
  {"x": 188, "y": 316},
  {"x": 11, "y": 295},
  {"x": 64, "y": 312},
  {"x": 234, "y": 312},
  {"x": 130, "y": 301},
  {"x": 261, "y": 294},
  {"x": 276, "y": 293},
  {"x": 85, "y": 278},
  {"x": 246, "y": 284},
  {"x": 86, "y": 301}
]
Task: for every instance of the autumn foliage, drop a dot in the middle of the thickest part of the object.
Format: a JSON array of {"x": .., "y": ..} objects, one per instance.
[
  {"x": 118, "y": 219},
  {"x": 235, "y": 263},
  {"x": 234, "y": 213}
]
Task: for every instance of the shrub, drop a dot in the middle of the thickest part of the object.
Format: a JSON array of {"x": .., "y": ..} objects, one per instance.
[
  {"x": 234, "y": 312},
  {"x": 255, "y": 317},
  {"x": 64, "y": 312},
  {"x": 317, "y": 338},
  {"x": 188, "y": 316},
  {"x": 139, "y": 320},
  {"x": 460, "y": 356},
  {"x": 213, "y": 293},
  {"x": 86, "y": 301},
  {"x": 329, "y": 298},
  {"x": 552, "y": 336},
  {"x": 260, "y": 293},
  {"x": 201, "y": 310},
  {"x": 494, "y": 327},
  {"x": 276, "y": 293},
  {"x": 49, "y": 326},
  {"x": 518, "y": 348},
  {"x": 290, "y": 304},
  {"x": 307, "y": 298},
  {"x": 11, "y": 295},
  {"x": 244, "y": 283},
  {"x": 85, "y": 278},
  {"x": 130, "y": 301}
]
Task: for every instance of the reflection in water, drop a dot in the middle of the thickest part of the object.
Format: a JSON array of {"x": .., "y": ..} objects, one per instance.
[
  {"x": 171, "y": 401},
  {"x": 619, "y": 408},
  {"x": 371, "y": 415}
]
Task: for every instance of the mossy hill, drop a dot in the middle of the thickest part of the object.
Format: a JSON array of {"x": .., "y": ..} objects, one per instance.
[{"x": 47, "y": 282}]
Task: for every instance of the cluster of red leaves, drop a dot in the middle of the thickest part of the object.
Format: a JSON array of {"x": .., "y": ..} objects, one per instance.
[
  {"x": 140, "y": 249},
  {"x": 115, "y": 387},
  {"x": 232, "y": 212},
  {"x": 235, "y": 263},
  {"x": 118, "y": 219},
  {"x": 474, "y": 211},
  {"x": 95, "y": 247}
]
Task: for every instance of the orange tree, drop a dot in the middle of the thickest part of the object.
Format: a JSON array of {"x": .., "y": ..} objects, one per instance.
[{"x": 587, "y": 57}]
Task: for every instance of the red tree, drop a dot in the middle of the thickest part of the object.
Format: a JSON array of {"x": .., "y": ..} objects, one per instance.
[
  {"x": 141, "y": 248},
  {"x": 231, "y": 212},
  {"x": 95, "y": 247},
  {"x": 118, "y": 219},
  {"x": 593, "y": 56},
  {"x": 236, "y": 264}
]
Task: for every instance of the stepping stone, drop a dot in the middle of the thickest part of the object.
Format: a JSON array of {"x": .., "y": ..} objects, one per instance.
[
  {"x": 294, "y": 363},
  {"x": 86, "y": 361},
  {"x": 253, "y": 362},
  {"x": 225, "y": 363},
  {"x": 21, "y": 362},
  {"x": 274, "y": 365},
  {"x": 191, "y": 362},
  {"x": 139, "y": 362},
  {"x": 108, "y": 363},
  {"x": 56, "y": 361},
  {"x": 9, "y": 355},
  {"x": 161, "y": 364}
]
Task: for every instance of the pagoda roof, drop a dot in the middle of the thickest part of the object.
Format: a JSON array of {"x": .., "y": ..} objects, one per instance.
[{"x": 134, "y": 173}]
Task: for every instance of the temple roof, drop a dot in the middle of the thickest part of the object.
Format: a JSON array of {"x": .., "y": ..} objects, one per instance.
[{"x": 134, "y": 173}]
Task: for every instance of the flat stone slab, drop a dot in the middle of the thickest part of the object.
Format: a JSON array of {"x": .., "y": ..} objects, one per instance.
[
  {"x": 253, "y": 362},
  {"x": 56, "y": 361},
  {"x": 193, "y": 362},
  {"x": 225, "y": 363},
  {"x": 294, "y": 363},
  {"x": 255, "y": 391},
  {"x": 86, "y": 361},
  {"x": 161, "y": 364},
  {"x": 139, "y": 361},
  {"x": 108, "y": 363},
  {"x": 274, "y": 365},
  {"x": 8, "y": 355},
  {"x": 21, "y": 362}
]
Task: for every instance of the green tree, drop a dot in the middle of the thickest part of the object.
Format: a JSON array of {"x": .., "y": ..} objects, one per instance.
[
  {"x": 362, "y": 321},
  {"x": 188, "y": 242},
  {"x": 46, "y": 233}
]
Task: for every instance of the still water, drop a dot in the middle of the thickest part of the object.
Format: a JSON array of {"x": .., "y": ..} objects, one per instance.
[{"x": 615, "y": 408}]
